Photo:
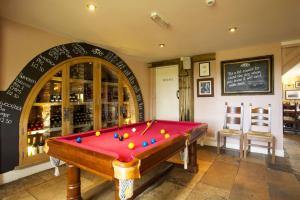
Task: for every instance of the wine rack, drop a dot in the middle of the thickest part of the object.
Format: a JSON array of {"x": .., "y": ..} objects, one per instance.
[
  {"x": 109, "y": 98},
  {"x": 45, "y": 118},
  {"x": 55, "y": 117},
  {"x": 79, "y": 96}
]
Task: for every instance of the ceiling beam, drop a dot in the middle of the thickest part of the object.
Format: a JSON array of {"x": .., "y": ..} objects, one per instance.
[
  {"x": 203, "y": 57},
  {"x": 176, "y": 61}
]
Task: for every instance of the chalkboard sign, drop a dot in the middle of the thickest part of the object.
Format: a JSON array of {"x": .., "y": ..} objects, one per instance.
[
  {"x": 248, "y": 76},
  {"x": 12, "y": 100}
]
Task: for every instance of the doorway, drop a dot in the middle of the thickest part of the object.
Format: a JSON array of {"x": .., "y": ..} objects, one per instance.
[
  {"x": 167, "y": 92},
  {"x": 291, "y": 104}
]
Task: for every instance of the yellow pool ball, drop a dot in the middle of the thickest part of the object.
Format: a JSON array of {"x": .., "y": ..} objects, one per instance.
[
  {"x": 131, "y": 145},
  {"x": 126, "y": 135},
  {"x": 98, "y": 133},
  {"x": 167, "y": 135},
  {"x": 162, "y": 131},
  {"x": 148, "y": 123}
]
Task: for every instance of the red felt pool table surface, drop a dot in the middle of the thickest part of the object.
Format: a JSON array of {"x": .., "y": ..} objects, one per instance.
[{"x": 107, "y": 144}]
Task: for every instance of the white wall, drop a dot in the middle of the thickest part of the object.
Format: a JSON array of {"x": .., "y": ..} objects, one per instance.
[
  {"x": 20, "y": 43},
  {"x": 211, "y": 109}
]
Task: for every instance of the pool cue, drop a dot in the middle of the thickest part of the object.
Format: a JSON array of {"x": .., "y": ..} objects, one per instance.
[{"x": 148, "y": 127}]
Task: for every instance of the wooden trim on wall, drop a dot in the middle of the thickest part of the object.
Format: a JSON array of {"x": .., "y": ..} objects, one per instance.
[
  {"x": 96, "y": 95},
  {"x": 177, "y": 61},
  {"x": 203, "y": 57}
]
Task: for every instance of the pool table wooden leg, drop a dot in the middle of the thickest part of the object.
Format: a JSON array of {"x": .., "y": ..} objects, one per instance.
[
  {"x": 116, "y": 181},
  {"x": 193, "y": 165},
  {"x": 73, "y": 185}
]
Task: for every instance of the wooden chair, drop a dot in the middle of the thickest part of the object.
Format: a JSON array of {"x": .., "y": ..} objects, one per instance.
[
  {"x": 233, "y": 117},
  {"x": 260, "y": 118}
]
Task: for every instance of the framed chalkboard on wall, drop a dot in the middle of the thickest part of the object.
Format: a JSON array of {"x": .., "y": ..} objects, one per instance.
[{"x": 248, "y": 76}]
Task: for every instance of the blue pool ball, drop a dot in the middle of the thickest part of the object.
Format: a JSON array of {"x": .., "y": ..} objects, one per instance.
[
  {"x": 153, "y": 140},
  {"x": 145, "y": 143},
  {"x": 78, "y": 140},
  {"x": 116, "y": 135}
]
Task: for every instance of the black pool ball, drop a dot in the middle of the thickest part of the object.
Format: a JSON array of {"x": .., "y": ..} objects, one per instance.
[{"x": 121, "y": 138}]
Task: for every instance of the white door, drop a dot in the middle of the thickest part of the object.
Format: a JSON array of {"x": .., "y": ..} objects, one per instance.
[{"x": 167, "y": 103}]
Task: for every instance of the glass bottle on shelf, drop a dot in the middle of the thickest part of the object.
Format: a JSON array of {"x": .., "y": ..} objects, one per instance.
[
  {"x": 34, "y": 147},
  {"x": 41, "y": 145},
  {"x": 55, "y": 119},
  {"x": 81, "y": 97},
  {"x": 29, "y": 147}
]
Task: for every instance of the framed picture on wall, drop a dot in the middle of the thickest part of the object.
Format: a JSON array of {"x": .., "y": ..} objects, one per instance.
[
  {"x": 204, "y": 69},
  {"x": 292, "y": 94},
  {"x": 297, "y": 84},
  {"x": 247, "y": 76},
  {"x": 205, "y": 87}
]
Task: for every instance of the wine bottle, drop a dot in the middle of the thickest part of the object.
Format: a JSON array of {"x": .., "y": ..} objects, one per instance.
[
  {"x": 29, "y": 147},
  {"x": 31, "y": 126},
  {"x": 38, "y": 99},
  {"x": 37, "y": 125},
  {"x": 41, "y": 145},
  {"x": 59, "y": 98},
  {"x": 34, "y": 146},
  {"x": 52, "y": 99},
  {"x": 52, "y": 120}
]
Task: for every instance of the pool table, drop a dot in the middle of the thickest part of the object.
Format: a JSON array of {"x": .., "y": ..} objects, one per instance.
[{"x": 111, "y": 158}]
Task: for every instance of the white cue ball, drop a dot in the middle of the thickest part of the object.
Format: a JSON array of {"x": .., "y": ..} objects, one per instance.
[{"x": 133, "y": 129}]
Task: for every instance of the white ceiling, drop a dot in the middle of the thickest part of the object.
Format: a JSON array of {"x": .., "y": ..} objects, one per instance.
[{"x": 125, "y": 25}]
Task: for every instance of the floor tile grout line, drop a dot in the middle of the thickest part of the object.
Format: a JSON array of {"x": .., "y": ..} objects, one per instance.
[
  {"x": 239, "y": 166},
  {"x": 31, "y": 194}
]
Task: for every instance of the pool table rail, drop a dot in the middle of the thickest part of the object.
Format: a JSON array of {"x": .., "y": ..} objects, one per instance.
[
  {"x": 109, "y": 167},
  {"x": 85, "y": 159},
  {"x": 197, "y": 133}
]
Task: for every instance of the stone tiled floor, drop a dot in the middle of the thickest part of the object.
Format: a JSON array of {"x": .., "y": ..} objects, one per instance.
[{"x": 220, "y": 177}]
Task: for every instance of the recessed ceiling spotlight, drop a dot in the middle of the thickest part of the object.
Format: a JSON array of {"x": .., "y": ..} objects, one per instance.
[
  {"x": 91, "y": 7},
  {"x": 161, "y": 45},
  {"x": 232, "y": 29}
]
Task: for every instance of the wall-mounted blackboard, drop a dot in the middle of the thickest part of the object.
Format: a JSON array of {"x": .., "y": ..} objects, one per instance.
[
  {"x": 12, "y": 100},
  {"x": 247, "y": 76}
]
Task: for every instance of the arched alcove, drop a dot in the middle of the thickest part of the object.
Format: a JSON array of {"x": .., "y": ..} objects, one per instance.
[{"x": 14, "y": 98}]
